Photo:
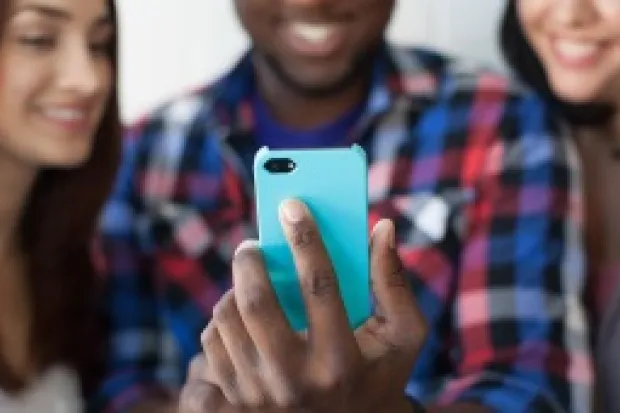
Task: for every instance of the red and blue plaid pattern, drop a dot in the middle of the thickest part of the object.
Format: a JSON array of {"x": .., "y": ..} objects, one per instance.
[{"x": 469, "y": 167}]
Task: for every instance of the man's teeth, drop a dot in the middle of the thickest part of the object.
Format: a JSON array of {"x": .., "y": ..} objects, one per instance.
[
  {"x": 65, "y": 114},
  {"x": 313, "y": 33},
  {"x": 576, "y": 50}
]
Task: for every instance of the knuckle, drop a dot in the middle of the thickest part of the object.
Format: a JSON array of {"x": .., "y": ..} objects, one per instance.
[
  {"x": 320, "y": 282},
  {"x": 224, "y": 309},
  {"x": 255, "y": 399},
  {"x": 410, "y": 332},
  {"x": 228, "y": 383},
  {"x": 220, "y": 371},
  {"x": 334, "y": 379},
  {"x": 381, "y": 334},
  {"x": 190, "y": 401},
  {"x": 209, "y": 337},
  {"x": 289, "y": 398},
  {"x": 398, "y": 340},
  {"x": 304, "y": 234},
  {"x": 397, "y": 277},
  {"x": 405, "y": 342},
  {"x": 196, "y": 397},
  {"x": 197, "y": 367},
  {"x": 286, "y": 389},
  {"x": 255, "y": 301}
]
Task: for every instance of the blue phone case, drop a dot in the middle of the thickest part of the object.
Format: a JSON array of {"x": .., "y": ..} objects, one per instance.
[{"x": 333, "y": 184}]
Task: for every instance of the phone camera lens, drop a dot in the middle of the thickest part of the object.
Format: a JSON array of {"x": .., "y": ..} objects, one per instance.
[{"x": 280, "y": 166}]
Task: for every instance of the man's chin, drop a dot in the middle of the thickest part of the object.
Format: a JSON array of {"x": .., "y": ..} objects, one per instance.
[{"x": 318, "y": 84}]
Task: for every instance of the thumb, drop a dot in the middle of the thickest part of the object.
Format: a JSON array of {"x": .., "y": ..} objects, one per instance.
[{"x": 398, "y": 321}]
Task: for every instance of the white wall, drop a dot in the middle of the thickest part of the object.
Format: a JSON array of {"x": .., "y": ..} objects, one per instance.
[{"x": 168, "y": 46}]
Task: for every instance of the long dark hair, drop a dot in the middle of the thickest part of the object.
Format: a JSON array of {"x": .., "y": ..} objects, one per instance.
[
  {"x": 56, "y": 231},
  {"x": 521, "y": 57}
]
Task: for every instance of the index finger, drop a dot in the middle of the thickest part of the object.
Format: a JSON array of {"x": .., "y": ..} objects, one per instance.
[{"x": 328, "y": 325}]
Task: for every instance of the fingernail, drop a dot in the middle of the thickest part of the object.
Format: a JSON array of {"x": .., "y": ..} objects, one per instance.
[
  {"x": 293, "y": 211},
  {"x": 385, "y": 229},
  {"x": 247, "y": 244}
]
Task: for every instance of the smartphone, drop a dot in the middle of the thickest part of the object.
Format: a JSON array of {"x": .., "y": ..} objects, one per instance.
[{"x": 333, "y": 183}]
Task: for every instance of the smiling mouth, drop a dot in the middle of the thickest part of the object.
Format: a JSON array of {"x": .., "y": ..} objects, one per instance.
[
  {"x": 66, "y": 115},
  {"x": 70, "y": 119},
  {"x": 314, "y": 39},
  {"x": 575, "y": 53},
  {"x": 313, "y": 33}
]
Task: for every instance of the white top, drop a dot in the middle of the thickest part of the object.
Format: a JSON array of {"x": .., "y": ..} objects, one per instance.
[{"x": 55, "y": 391}]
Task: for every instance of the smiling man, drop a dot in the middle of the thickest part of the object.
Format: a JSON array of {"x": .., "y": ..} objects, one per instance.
[{"x": 483, "y": 312}]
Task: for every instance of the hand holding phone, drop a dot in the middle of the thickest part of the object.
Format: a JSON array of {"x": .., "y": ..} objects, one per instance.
[{"x": 254, "y": 361}]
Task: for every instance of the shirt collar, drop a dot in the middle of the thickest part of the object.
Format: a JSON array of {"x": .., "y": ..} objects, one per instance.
[{"x": 397, "y": 72}]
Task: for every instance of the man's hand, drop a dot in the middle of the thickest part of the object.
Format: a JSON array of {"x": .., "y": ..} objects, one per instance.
[{"x": 254, "y": 362}]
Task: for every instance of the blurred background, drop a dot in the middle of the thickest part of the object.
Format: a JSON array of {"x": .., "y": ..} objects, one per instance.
[{"x": 170, "y": 46}]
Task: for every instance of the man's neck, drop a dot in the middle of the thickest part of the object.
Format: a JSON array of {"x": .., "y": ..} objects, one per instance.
[{"x": 298, "y": 111}]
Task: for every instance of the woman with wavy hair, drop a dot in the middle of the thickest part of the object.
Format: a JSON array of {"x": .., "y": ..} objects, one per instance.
[{"x": 59, "y": 149}]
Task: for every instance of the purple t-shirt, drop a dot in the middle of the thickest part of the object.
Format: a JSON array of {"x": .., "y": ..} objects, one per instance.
[{"x": 272, "y": 134}]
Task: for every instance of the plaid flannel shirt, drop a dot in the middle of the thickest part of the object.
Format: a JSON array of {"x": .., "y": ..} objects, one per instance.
[{"x": 469, "y": 166}]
